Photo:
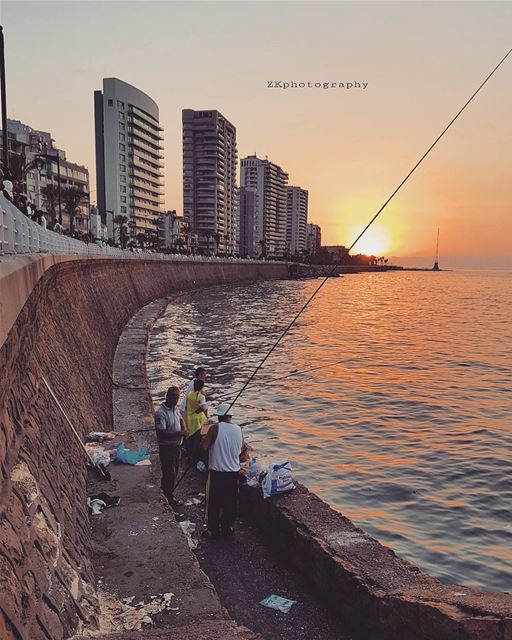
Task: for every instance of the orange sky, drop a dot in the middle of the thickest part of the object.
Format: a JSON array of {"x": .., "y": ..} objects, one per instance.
[{"x": 349, "y": 148}]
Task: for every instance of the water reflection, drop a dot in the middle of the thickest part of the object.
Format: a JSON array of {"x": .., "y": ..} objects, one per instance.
[{"x": 409, "y": 434}]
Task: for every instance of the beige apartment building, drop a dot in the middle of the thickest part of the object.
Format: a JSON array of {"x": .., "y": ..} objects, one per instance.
[
  {"x": 268, "y": 181},
  {"x": 209, "y": 180}
]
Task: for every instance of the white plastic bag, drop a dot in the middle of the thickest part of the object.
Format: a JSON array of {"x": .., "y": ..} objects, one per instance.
[{"x": 278, "y": 479}]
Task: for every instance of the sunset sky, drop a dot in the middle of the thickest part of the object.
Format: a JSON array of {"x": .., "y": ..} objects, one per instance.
[{"x": 349, "y": 148}]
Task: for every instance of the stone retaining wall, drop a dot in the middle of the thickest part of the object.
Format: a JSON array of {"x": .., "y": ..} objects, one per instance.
[
  {"x": 67, "y": 331},
  {"x": 378, "y": 595}
]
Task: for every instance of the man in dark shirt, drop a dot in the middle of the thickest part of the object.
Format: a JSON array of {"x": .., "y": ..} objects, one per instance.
[{"x": 170, "y": 429}]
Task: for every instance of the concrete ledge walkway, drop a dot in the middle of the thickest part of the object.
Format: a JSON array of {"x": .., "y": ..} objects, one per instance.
[{"x": 139, "y": 551}]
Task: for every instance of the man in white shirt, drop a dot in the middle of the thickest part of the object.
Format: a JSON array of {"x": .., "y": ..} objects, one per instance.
[
  {"x": 170, "y": 429},
  {"x": 224, "y": 443}
]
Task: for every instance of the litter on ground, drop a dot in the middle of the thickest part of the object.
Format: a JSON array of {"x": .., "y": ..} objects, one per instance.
[
  {"x": 277, "y": 602},
  {"x": 188, "y": 529},
  {"x": 100, "y": 436},
  {"x": 130, "y": 457},
  {"x": 121, "y": 616}
]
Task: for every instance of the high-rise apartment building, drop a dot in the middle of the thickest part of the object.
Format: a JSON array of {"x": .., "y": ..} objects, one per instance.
[
  {"x": 269, "y": 182},
  {"x": 129, "y": 157},
  {"x": 209, "y": 179},
  {"x": 246, "y": 213},
  {"x": 313, "y": 238},
  {"x": 296, "y": 219}
]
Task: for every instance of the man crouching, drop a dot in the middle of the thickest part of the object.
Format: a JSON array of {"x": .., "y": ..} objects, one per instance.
[{"x": 224, "y": 444}]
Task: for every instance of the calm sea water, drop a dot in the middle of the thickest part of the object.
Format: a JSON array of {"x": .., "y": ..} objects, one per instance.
[{"x": 405, "y": 428}]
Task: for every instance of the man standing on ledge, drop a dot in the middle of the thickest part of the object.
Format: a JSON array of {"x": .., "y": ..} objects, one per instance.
[
  {"x": 170, "y": 429},
  {"x": 224, "y": 443},
  {"x": 200, "y": 374}
]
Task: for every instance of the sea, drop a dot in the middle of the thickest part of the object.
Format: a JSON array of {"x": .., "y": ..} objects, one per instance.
[{"x": 391, "y": 396}]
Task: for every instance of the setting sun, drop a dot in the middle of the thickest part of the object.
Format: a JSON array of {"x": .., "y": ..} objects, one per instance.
[{"x": 375, "y": 241}]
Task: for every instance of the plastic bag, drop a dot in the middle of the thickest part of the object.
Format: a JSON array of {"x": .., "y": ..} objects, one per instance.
[
  {"x": 278, "y": 479},
  {"x": 131, "y": 457},
  {"x": 98, "y": 454}
]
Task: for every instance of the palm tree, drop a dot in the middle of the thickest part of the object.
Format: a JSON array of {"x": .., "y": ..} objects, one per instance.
[
  {"x": 180, "y": 243},
  {"x": 141, "y": 239},
  {"x": 50, "y": 193},
  {"x": 217, "y": 236},
  {"x": 187, "y": 232},
  {"x": 208, "y": 235},
  {"x": 71, "y": 199},
  {"x": 121, "y": 220}
]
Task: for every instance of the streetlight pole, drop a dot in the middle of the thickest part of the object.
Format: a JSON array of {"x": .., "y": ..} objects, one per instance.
[
  {"x": 5, "y": 152},
  {"x": 58, "y": 184}
]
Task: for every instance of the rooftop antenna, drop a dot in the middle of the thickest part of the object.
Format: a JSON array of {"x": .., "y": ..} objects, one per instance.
[{"x": 436, "y": 263}]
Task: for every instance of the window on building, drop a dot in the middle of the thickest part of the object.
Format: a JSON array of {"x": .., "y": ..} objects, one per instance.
[
  {"x": 110, "y": 103},
  {"x": 120, "y": 104},
  {"x": 122, "y": 147},
  {"x": 121, "y": 126},
  {"x": 123, "y": 198},
  {"x": 122, "y": 178},
  {"x": 122, "y": 167},
  {"x": 122, "y": 137},
  {"x": 123, "y": 209},
  {"x": 123, "y": 189},
  {"x": 122, "y": 157},
  {"x": 121, "y": 115}
]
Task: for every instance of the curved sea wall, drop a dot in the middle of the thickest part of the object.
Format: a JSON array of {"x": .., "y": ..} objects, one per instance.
[{"x": 67, "y": 331}]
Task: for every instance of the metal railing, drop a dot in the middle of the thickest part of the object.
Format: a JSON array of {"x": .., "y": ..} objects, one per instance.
[{"x": 20, "y": 235}]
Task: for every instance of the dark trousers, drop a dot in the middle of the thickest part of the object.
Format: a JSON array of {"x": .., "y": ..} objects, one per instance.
[
  {"x": 192, "y": 447},
  {"x": 222, "y": 500},
  {"x": 170, "y": 462}
]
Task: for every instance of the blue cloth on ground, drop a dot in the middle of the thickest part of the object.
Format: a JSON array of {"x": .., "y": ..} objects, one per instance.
[{"x": 130, "y": 457}]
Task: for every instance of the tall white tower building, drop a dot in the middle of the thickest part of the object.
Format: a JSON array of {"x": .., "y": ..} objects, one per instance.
[
  {"x": 129, "y": 157},
  {"x": 296, "y": 219},
  {"x": 269, "y": 182}
]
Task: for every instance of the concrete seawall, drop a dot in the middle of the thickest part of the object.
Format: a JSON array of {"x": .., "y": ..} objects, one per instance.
[{"x": 67, "y": 331}]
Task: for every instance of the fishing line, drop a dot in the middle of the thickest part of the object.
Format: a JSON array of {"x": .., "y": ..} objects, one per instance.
[
  {"x": 298, "y": 373},
  {"x": 347, "y": 251}
]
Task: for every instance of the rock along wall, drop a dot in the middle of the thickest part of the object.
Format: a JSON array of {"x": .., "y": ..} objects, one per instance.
[{"x": 67, "y": 331}]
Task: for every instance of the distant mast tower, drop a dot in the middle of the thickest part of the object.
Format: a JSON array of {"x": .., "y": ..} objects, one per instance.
[{"x": 436, "y": 263}]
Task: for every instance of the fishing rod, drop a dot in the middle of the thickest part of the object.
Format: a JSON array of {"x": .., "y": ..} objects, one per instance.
[{"x": 347, "y": 251}]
